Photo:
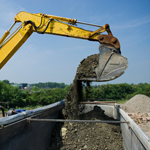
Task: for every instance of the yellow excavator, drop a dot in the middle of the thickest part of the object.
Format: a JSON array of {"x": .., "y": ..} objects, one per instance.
[{"x": 111, "y": 63}]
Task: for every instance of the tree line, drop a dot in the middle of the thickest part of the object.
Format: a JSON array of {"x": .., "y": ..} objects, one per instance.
[
  {"x": 40, "y": 84},
  {"x": 43, "y": 96},
  {"x": 49, "y": 85},
  {"x": 117, "y": 91}
]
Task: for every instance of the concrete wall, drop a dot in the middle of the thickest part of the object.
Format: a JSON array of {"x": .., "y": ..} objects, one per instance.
[
  {"x": 109, "y": 108},
  {"x": 16, "y": 133},
  {"x": 133, "y": 136}
]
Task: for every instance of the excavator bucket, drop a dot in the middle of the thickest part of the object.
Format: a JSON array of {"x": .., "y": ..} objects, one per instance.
[{"x": 109, "y": 64}]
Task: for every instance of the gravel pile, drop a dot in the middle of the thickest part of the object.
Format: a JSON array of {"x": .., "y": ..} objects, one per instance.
[
  {"x": 138, "y": 108},
  {"x": 138, "y": 103}
]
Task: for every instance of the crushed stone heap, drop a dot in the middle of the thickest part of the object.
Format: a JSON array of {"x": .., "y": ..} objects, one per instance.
[{"x": 138, "y": 103}]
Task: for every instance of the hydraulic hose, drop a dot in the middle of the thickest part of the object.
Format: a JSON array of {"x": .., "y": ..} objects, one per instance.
[{"x": 36, "y": 27}]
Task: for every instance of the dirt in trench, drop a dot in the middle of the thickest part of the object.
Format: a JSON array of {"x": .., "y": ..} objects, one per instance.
[{"x": 80, "y": 136}]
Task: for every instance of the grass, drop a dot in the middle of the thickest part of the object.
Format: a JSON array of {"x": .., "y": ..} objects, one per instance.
[{"x": 121, "y": 101}]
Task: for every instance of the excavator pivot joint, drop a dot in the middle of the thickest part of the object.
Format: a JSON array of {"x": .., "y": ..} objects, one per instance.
[{"x": 110, "y": 41}]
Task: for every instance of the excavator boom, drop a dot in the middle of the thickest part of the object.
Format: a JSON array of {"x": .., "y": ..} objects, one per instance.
[{"x": 48, "y": 24}]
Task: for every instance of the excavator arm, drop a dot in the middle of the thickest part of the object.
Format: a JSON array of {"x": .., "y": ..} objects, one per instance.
[
  {"x": 48, "y": 24},
  {"x": 43, "y": 23}
]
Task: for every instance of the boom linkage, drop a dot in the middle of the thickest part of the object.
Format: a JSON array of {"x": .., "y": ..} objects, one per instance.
[{"x": 48, "y": 24}]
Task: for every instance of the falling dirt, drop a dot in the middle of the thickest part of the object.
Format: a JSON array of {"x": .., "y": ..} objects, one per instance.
[
  {"x": 85, "y": 69},
  {"x": 79, "y": 136}
]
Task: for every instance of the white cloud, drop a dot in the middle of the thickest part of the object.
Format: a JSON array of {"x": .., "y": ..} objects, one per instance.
[{"x": 133, "y": 23}]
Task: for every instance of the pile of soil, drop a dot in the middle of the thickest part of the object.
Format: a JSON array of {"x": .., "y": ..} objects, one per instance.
[{"x": 79, "y": 136}]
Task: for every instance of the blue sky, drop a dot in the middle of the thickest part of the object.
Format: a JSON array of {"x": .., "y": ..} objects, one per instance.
[{"x": 50, "y": 58}]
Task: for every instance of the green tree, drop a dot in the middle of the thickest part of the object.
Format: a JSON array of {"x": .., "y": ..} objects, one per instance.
[
  {"x": 6, "y": 81},
  {"x": 35, "y": 89},
  {"x": 147, "y": 90}
]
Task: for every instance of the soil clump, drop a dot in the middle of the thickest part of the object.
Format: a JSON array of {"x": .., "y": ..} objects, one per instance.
[{"x": 87, "y": 67}]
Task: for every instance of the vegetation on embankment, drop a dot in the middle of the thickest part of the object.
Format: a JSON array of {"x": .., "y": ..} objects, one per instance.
[{"x": 40, "y": 97}]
